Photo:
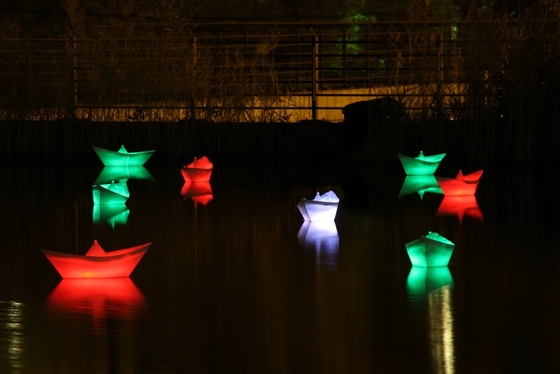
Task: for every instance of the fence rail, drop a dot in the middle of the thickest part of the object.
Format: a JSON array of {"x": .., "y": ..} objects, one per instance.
[{"x": 234, "y": 72}]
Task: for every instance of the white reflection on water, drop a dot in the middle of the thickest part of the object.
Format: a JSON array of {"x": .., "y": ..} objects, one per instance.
[
  {"x": 432, "y": 289},
  {"x": 11, "y": 337},
  {"x": 322, "y": 237}
]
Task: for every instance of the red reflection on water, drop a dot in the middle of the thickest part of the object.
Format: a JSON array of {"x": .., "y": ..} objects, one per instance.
[
  {"x": 100, "y": 298},
  {"x": 461, "y": 185},
  {"x": 200, "y": 193},
  {"x": 460, "y": 206},
  {"x": 200, "y": 170},
  {"x": 97, "y": 263}
]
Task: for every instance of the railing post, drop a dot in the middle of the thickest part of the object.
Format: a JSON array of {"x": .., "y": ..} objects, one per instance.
[{"x": 314, "y": 75}]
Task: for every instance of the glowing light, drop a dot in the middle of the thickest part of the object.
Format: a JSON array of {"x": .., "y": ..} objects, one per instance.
[
  {"x": 200, "y": 193},
  {"x": 321, "y": 208},
  {"x": 122, "y": 174},
  {"x": 422, "y": 164},
  {"x": 461, "y": 185},
  {"x": 430, "y": 250},
  {"x": 113, "y": 193},
  {"x": 97, "y": 263},
  {"x": 100, "y": 298},
  {"x": 122, "y": 157},
  {"x": 200, "y": 170},
  {"x": 13, "y": 328},
  {"x": 322, "y": 238},
  {"x": 420, "y": 184},
  {"x": 460, "y": 206},
  {"x": 113, "y": 214}
]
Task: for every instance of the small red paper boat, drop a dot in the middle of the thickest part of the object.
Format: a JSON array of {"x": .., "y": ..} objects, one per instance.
[
  {"x": 461, "y": 185},
  {"x": 97, "y": 263},
  {"x": 198, "y": 171},
  {"x": 460, "y": 206}
]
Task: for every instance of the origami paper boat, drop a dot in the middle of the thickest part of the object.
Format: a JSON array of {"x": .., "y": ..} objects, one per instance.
[
  {"x": 200, "y": 170},
  {"x": 122, "y": 157},
  {"x": 122, "y": 174},
  {"x": 430, "y": 250},
  {"x": 459, "y": 206},
  {"x": 97, "y": 263},
  {"x": 113, "y": 193},
  {"x": 461, "y": 185},
  {"x": 321, "y": 208},
  {"x": 420, "y": 165},
  {"x": 420, "y": 184},
  {"x": 200, "y": 192}
]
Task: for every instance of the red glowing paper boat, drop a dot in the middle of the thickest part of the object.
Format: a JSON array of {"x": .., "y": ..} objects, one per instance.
[
  {"x": 461, "y": 185},
  {"x": 198, "y": 171},
  {"x": 97, "y": 263}
]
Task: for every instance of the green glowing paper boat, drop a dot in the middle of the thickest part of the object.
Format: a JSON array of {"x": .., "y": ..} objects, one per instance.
[
  {"x": 122, "y": 157},
  {"x": 123, "y": 174},
  {"x": 430, "y": 250},
  {"x": 420, "y": 165}
]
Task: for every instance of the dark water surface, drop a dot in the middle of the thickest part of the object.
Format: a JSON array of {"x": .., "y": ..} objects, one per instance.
[{"x": 235, "y": 286}]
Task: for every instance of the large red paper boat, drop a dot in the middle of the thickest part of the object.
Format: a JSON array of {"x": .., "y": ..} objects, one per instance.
[
  {"x": 97, "y": 263},
  {"x": 200, "y": 170},
  {"x": 461, "y": 185}
]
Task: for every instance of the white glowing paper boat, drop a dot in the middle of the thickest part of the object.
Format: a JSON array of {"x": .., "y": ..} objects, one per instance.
[
  {"x": 97, "y": 263},
  {"x": 461, "y": 185},
  {"x": 430, "y": 250},
  {"x": 111, "y": 193},
  {"x": 321, "y": 208},
  {"x": 200, "y": 170},
  {"x": 122, "y": 157},
  {"x": 420, "y": 165}
]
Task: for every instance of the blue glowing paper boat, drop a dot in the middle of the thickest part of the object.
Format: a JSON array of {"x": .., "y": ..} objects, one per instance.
[
  {"x": 420, "y": 165},
  {"x": 430, "y": 250},
  {"x": 122, "y": 157},
  {"x": 321, "y": 208},
  {"x": 110, "y": 193}
]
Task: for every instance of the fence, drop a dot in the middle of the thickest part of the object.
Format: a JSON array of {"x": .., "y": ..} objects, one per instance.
[{"x": 231, "y": 72}]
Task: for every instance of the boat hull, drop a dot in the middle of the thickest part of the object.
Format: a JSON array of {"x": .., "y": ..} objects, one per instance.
[
  {"x": 115, "y": 264},
  {"x": 463, "y": 185},
  {"x": 196, "y": 175},
  {"x": 416, "y": 166},
  {"x": 317, "y": 210},
  {"x": 114, "y": 158}
]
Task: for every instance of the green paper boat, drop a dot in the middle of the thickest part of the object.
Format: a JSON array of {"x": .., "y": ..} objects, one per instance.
[
  {"x": 430, "y": 250},
  {"x": 122, "y": 157},
  {"x": 420, "y": 165}
]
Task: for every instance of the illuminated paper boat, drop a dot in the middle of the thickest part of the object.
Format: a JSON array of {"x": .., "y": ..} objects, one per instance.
[
  {"x": 200, "y": 193},
  {"x": 97, "y": 263},
  {"x": 461, "y": 185},
  {"x": 430, "y": 250},
  {"x": 100, "y": 298},
  {"x": 420, "y": 165},
  {"x": 200, "y": 170},
  {"x": 321, "y": 208},
  {"x": 122, "y": 174},
  {"x": 423, "y": 280},
  {"x": 113, "y": 214},
  {"x": 111, "y": 193},
  {"x": 122, "y": 157},
  {"x": 459, "y": 206},
  {"x": 420, "y": 184}
]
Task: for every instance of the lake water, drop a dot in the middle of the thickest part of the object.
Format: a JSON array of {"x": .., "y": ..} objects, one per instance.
[{"x": 236, "y": 283}]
